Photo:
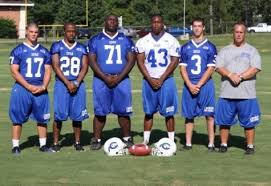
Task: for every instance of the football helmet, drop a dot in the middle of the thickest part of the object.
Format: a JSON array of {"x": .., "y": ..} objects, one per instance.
[
  {"x": 115, "y": 147},
  {"x": 164, "y": 147}
]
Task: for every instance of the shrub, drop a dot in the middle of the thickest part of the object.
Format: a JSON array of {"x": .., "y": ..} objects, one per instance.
[{"x": 7, "y": 28}]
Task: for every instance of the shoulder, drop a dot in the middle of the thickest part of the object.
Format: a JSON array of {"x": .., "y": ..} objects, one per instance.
[
  {"x": 210, "y": 44},
  {"x": 43, "y": 49},
  {"x": 95, "y": 38},
  {"x": 143, "y": 40},
  {"x": 227, "y": 48},
  {"x": 250, "y": 48}
]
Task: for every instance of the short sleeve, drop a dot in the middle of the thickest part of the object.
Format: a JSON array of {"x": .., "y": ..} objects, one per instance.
[
  {"x": 55, "y": 48},
  {"x": 174, "y": 48},
  {"x": 92, "y": 46},
  {"x": 140, "y": 46},
  {"x": 15, "y": 57},
  {"x": 212, "y": 55},
  {"x": 183, "y": 61},
  {"x": 256, "y": 60}
]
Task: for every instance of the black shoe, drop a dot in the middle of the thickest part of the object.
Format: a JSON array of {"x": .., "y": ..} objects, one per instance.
[
  {"x": 187, "y": 147},
  {"x": 211, "y": 149},
  {"x": 56, "y": 148},
  {"x": 44, "y": 148},
  {"x": 78, "y": 147},
  {"x": 16, "y": 150},
  {"x": 129, "y": 143},
  {"x": 250, "y": 151},
  {"x": 94, "y": 144},
  {"x": 223, "y": 149}
]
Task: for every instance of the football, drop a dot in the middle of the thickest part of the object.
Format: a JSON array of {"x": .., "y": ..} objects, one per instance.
[{"x": 140, "y": 150}]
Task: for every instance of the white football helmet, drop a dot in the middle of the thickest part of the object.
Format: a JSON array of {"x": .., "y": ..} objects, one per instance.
[
  {"x": 164, "y": 147},
  {"x": 115, "y": 147}
]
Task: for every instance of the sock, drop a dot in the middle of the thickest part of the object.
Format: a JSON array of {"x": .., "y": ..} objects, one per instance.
[
  {"x": 15, "y": 143},
  {"x": 126, "y": 138},
  {"x": 42, "y": 141},
  {"x": 188, "y": 144},
  {"x": 224, "y": 144},
  {"x": 146, "y": 137},
  {"x": 250, "y": 146},
  {"x": 99, "y": 140},
  {"x": 171, "y": 135},
  {"x": 211, "y": 145}
]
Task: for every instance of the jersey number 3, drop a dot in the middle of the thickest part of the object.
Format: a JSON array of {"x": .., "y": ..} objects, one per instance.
[{"x": 197, "y": 70}]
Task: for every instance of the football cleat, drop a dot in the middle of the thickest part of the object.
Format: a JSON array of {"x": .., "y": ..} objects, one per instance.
[
  {"x": 211, "y": 149},
  {"x": 250, "y": 151},
  {"x": 56, "y": 148},
  {"x": 187, "y": 147},
  {"x": 44, "y": 148},
  {"x": 16, "y": 150},
  {"x": 223, "y": 149},
  {"x": 78, "y": 147},
  {"x": 94, "y": 144},
  {"x": 129, "y": 143}
]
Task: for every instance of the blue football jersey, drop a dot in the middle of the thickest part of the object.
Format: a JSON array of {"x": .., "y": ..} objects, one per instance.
[
  {"x": 197, "y": 57},
  {"x": 70, "y": 58},
  {"x": 31, "y": 61},
  {"x": 111, "y": 52}
]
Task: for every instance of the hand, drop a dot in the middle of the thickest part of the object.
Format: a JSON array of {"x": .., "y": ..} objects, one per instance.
[
  {"x": 194, "y": 89},
  {"x": 71, "y": 87},
  {"x": 234, "y": 78},
  {"x": 112, "y": 80},
  {"x": 37, "y": 89},
  {"x": 155, "y": 83}
]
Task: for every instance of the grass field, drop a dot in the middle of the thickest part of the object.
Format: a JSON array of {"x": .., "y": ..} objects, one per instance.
[{"x": 195, "y": 167}]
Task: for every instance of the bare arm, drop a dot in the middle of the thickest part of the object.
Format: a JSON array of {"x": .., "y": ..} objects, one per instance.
[
  {"x": 192, "y": 88},
  {"x": 207, "y": 74},
  {"x": 95, "y": 67},
  {"x": 233, "y": 77},
  {"x": 128, "y": 67},
  {"x": 249, "y": 73},
  {"x": 83, "y": 70},
  {"x": 170, "y": 69}
]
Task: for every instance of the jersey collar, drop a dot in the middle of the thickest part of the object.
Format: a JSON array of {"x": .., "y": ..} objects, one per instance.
[
  {"x": 199, "y": 44},
  {"x": 33, "y": 48},
  {"x": 111, "y": 37},
  {"x": 66, "y": 45}
]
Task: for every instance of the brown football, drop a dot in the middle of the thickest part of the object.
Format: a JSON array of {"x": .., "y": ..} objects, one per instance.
[{"x": 140, "y": 150}]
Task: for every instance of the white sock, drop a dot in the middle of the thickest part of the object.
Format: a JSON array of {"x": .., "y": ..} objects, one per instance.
[
  {"x": 42, "y": 141},
  {"x": 126, "y": 138},
  {"x": 15, "y": 143},
  {"x": 171, "y": 135},
  {"x": 99, "y": 140},
  {"x": 211, "y": 145},
  {"x": 250, "y": 146},
  {"x": 146, "y": 137},
  {"x": 188, "y": 144},
  {"x": 224, "y": 144}
]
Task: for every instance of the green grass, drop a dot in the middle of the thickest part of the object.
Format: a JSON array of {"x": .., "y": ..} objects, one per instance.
[{"x": 196, "y": 167}]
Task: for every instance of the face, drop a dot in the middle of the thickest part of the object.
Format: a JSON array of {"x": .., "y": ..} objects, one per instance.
[
  {"x": 239, "y": 34},
  {"x": 32, "y": 34},
  {"x": 70, "y": 32},
  {"x": 157, "y": 25},
  {"x": 198, "y": 28},
  {"x": 111, "y": 23}
]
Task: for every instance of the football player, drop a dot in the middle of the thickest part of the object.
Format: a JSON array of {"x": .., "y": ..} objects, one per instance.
[
  {"x": 30, "y": 65},
  {"x": 198, "y": 97},
  {"x": 111, "y": 57},
  {"x": 158, "y": 56},
  {"x": 70, "y": 63}
]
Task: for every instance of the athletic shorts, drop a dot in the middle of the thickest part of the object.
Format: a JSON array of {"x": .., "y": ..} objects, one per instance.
[
  {"x": 247, "y": 111},
  {"x": 164, "y": 100},
  {"x": 67, "y": 105},
  {"x": 117, "y": 100},
  {"x": 23, "y": 104},
  {"x": 202, "y": 104}
]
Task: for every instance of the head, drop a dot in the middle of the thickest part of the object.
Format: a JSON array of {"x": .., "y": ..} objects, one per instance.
[
  {"x": 111, "y": 23},
  {"x": 198, "y": 27},
  {"x": 239, "y": 33},
  {"x": 69, "y": 32},
  {"x": 32, "y": 33},
  {"x": 157, "y": 24}
]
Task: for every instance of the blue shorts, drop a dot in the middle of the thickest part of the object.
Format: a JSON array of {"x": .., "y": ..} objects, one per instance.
[
  {"x": 23, "y": 104},
  {"x": 202, "y": 104},
  {"x": 69, "y": 105},
  {"x": 164, "y": 100},
  {"x": 247, "y": 110},
  {"x": 117, "y": 100}
]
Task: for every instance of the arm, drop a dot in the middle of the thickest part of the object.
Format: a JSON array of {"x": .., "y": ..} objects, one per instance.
[
  {"x": 128, "y": 67},
  {"x": 170, "y": 69},
  {"x": 207, "y": 74},
  {"x": 83, "y": 70},
  {"x": 56, "y": 66},
  {"x": 194, "y": 89},
  {"x": 249, "y": 73},
  {"x": 233, "y": 77},
  {"x": 142, "y": 68}
]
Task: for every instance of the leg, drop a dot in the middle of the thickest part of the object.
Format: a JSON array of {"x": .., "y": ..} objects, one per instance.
[
  {"x": 148, "y": 122},
  {"x": 250, "y": 135},
  {"x": 57, "y": 125},
  {"x": 16, "y": 134},
  {"x": 210, "y": 130},
  {"x": 77, "y": 126},
  {"x": 42, "y": 132},
  {"x": 224, "y": 135},
  {"x": 98, "y": 125},
  {"x": 189, "y": 126},
  {"x": 125, "y": 124},
  {"x": 170, "y": 124}
]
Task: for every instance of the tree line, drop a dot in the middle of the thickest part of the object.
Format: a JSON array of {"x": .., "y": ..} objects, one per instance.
[{"x": 137, "y": 12}]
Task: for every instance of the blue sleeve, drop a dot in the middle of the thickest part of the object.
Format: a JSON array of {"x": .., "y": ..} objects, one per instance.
[
  {"x": 183, "y": 60},
  {"x": 91, "y": 48},
  {"x": 15, "y": 57},
  {"x": 130, "y": 45},
  {"x": 55, "y": 48},
  {"x": 84, "y": 49},
  {"x": 212, "y": 55},
  {"x": 47, "y": 57}
]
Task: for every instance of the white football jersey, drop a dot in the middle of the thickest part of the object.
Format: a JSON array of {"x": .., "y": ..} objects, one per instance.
[{"x": 157, "y": 53}]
